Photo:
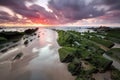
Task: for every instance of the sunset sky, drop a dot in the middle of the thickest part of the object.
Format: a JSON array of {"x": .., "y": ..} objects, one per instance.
[{"x": 59, "y": 12}]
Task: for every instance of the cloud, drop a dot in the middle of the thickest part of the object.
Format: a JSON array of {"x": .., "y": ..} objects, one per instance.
[
  {"x": 84, "y": 9},
  {"x": 34, "y": 12},
  {"x": 113, "y": 4},
  {"x": 62, "y": 11},
  {"x": 111, "y": 17},
  {"x": 75, "y": 9},
  {"x": 7, "y": 18}
]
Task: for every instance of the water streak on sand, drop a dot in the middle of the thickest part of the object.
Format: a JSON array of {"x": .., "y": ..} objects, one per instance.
[{"x": 40, "y": 60}]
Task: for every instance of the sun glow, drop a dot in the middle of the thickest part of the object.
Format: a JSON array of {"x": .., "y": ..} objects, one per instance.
[
  {"x": 22, "y": 25},
  {"x": 27, "y": 22}
]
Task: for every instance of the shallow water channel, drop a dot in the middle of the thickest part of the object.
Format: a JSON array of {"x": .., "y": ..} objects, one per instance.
[{"x": 40, "y": 59}]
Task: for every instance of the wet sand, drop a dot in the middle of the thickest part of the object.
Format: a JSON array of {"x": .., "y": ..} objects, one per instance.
[
  {"x": 40, "y": 60},
  {"x": 116, "y": 45}
]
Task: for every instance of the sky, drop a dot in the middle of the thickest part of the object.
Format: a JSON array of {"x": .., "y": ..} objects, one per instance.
[{"x": 59, "y": 12}]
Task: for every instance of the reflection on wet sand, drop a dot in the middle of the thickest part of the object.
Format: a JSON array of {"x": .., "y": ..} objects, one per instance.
[{"x": 40, "y": 60}]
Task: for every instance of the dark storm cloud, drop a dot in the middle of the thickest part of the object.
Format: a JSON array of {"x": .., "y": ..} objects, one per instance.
[
  {"x": 64, "y": 11},
  {"x": 42, "y": 15},
  {"x": 4, "y": 17},
  {"x": 14, "y": 3},
  {"x": 18, "y": 6},
  {"x": 42, "y": 12},
  {"x": 83, "y": 9},
  {"x": 34, "y": 11},
  {"x": 7, "y": 18},
  {"x": 112, "y": 17},
  {"x": 114, "y": 4},
  {"x": 75, "y": 9}
]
